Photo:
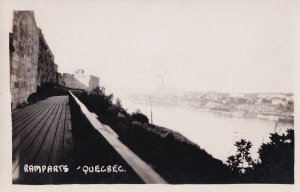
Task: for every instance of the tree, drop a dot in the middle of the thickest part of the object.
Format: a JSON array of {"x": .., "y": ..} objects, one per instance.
[
  {"x": 242, "y": 161},
  {"x": 119, "y": 103},
  {"x": 118, "y": 109},
  {"x": 277, "y": 158}
]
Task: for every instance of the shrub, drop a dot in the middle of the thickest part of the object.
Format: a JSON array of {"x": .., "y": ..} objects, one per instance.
[
  {"x": 139, "y": 117},
  {"x": 45, "y": 91}
]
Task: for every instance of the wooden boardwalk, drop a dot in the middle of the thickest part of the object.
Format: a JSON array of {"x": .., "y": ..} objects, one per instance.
[
  {"x": 45, "y": 135},
  {"x": 41, "y": 133}
]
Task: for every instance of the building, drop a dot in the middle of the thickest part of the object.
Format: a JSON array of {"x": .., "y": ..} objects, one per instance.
[
  {"x": 278, "y": 101},
  {"x": 80, "y": 80},
  {"x": 94, "y": 82},
  {"x": 90, "y": 81}
]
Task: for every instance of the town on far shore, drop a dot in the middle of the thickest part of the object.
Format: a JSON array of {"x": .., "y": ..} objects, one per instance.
[{"x": 271, "y": 106}]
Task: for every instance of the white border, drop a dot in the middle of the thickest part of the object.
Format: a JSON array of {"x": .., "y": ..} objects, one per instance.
[{"x": 6, "y": 8}]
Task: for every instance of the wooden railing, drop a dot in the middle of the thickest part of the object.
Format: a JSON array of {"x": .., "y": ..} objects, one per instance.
[{"x": 142, "y": 169}]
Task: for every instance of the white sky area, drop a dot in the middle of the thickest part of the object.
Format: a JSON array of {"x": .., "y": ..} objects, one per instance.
[{"x": 145, "y": 46}]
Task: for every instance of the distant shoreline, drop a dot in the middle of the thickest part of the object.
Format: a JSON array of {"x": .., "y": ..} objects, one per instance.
[{"x": 236, "y": 114}]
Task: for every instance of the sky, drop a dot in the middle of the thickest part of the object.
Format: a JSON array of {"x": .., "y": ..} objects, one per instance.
[{"x": 149, "y": 46}]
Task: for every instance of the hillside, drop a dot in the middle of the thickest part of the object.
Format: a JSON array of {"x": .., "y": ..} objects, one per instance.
[{"x": 173, "y": 156}]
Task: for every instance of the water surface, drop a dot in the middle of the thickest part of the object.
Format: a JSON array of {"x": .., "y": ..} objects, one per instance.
[{"x": 213, "y": 132}]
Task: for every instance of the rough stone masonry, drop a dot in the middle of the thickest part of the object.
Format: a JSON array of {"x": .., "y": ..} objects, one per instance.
[
  {"x": 24, "y": 49},
  {"x": 32, "y": 61}
]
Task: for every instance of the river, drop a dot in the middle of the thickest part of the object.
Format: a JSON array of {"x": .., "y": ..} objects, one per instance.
[{"x": 211, "y": 131}]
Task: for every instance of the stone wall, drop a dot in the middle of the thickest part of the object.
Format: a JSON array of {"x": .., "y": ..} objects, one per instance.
[
  {"x": 24, "y": 48},
  {"x": 89, "y": 81},
  {"x": 71, "y": 82},
  {"x": 32, "y": 62}
]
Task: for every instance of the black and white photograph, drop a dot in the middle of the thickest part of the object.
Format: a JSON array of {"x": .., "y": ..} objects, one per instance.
[{"x": 151, "y": 92}]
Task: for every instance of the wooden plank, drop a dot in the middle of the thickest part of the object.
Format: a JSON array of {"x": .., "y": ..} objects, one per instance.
[
  {"x": 38, "y": 142},
  {"x": 22, "y": 112},
  {"x": 18, "y": 112},
  {"x": 47, "y": 147},
  {"x": 144, "y": 171},
  {"x": 40, "y": 133},
  {"x": 32, "y": 133},
  {"x": 25, "y": 139},
  {"x": 29, "y": 111},
  {"x": 18, "y": 127},
  {"x": 57, "y": 146},
  {"x": 29, "y": 128},
  {"x": 42, "y": 145}
]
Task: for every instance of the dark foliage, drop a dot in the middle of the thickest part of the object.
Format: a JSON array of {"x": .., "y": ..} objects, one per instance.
[
  {"x": 241, "y": 162},
  {"x": 275, "y": 164},
  {"x": 101, "y": 104},
  {"x": 45, "y": 91},
  {"x": 276, "y": 160}
]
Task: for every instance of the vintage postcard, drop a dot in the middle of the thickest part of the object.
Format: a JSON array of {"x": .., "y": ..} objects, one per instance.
[{"x": 151, "y": 92}]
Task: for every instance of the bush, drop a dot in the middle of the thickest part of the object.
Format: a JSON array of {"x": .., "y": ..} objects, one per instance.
[
  {"x": 45, "y": 91},
  {"x": 139, "y": 117}
]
